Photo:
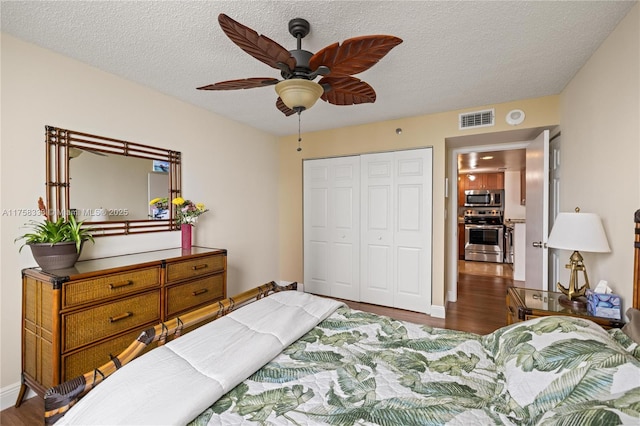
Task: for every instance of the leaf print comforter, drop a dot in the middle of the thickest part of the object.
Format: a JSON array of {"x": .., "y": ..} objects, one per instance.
[{"x": 357, "y": 368}]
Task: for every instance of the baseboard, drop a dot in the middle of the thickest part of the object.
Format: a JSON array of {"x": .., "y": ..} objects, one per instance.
[
  {"x": 9, "y": 394},
  {"x": 438, "y": 311}
]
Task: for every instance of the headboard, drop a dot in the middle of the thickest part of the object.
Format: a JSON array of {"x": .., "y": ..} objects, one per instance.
[{"x": 636, "y": 262}]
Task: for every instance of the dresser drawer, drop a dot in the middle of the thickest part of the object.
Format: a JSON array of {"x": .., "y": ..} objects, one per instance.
[
  {"x": 89, "y": 291},
  {"x": 85, "y": 360},
  {"x": 194, "y": 293},
  {"x": 194, "y": 268},
  {"x": 89, "y": 325}
]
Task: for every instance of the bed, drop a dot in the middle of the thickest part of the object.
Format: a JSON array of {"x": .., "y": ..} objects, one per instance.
[{"x": 292, "y": 358}]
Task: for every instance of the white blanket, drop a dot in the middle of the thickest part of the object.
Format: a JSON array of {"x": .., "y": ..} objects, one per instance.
[{"x": 174, "y": 383}]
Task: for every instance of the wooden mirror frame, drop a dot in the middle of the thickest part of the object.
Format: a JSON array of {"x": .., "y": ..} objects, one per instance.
[{"x": 60, "y": 141}]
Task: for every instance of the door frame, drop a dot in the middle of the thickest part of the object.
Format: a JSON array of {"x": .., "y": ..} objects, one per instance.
[{"x": 452, "y": 262}]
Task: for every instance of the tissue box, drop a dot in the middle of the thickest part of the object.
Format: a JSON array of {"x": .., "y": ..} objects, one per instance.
[{"x": 603, "y": 305}]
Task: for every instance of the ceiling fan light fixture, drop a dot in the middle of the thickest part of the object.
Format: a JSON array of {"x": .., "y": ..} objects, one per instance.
[{"x": 298, "y": 93}]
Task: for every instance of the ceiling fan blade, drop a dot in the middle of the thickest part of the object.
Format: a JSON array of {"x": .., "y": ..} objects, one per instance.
[
  {"x": 282, "y": 107},
  {"x": 347, "y": 90},
  {"x": 245, "y": 83},
  {"x": 260, "y": 47},
  {"x": 354, "y": 55}
]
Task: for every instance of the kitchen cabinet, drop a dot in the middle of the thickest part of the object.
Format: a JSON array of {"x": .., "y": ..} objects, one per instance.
[
  {"x": 461, "y": 240},
  {"x": 461, "y": 189},
  {"x": 484, "y": 181}
]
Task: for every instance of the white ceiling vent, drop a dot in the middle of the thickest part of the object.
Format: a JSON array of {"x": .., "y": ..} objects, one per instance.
[{"x": 475, "y": 119}]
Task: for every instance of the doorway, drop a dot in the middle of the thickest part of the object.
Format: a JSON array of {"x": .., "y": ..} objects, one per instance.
[{"x": 500, "y": 141}]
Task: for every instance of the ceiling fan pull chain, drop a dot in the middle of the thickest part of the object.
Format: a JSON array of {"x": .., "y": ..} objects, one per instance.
[{"x": 299, "y": 138}]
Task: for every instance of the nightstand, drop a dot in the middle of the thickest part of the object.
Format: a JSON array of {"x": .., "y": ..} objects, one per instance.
[{"x": 526, "y": 303}]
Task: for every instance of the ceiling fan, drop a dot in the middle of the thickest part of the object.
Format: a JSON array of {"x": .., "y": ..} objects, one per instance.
[{"x": 335, "y": 63}]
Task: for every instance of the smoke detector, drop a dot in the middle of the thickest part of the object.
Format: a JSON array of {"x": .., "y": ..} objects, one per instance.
[{"x": 515, "y": 117}]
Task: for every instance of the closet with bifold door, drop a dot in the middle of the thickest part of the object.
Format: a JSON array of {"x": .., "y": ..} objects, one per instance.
[{"x": 367, "y": 228}]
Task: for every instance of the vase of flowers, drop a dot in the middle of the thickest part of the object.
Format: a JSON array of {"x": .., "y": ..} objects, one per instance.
[{"x": 187, "y": 213}]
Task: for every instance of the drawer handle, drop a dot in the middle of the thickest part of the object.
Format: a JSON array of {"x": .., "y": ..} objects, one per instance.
[
  {"x": 196, "y": 267},
  {"x": 199, "y": 292},
  {"x": 113, "y": 286},
  {"x": 121, "y": 317}
]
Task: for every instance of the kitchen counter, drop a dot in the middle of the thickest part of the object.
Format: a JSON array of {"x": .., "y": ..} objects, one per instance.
[{"x": 511, "y": 222}]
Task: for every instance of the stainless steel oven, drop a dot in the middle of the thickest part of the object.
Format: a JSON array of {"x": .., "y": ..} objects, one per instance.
[
  {"x": 484, "y": 235},
  {"x": 484, "y": 243}
]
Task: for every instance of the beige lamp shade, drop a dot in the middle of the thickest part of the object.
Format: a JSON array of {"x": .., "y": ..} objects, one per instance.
[
  {"x": 298, "y": 93},
  {"x": 578, "y": 232}
]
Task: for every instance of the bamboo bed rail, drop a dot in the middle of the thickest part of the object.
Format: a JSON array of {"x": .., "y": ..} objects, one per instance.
[{"x": 59, "y": 399}]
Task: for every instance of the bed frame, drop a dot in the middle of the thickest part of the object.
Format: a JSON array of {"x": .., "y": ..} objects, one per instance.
[{"x": 58, "y": 399}]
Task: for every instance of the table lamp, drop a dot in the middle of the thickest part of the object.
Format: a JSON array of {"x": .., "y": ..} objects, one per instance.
[{"x": 578, "y": 232}]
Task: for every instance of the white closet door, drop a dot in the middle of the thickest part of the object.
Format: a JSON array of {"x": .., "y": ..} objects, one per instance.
[
  {"x": 331, "y": 227},
  {"x": 412, "y": 236},
  {"x": 376, "y": 235},
  {"x": 396, "y": 229}
]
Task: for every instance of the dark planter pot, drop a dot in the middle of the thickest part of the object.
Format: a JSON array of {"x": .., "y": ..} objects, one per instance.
[{"x": 57, "y": 256}]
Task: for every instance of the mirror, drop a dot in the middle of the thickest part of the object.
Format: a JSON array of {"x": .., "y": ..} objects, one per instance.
[{"x": 109, "y": 183}]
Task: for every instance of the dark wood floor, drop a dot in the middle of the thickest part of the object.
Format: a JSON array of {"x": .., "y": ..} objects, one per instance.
[{"x": 480, "y": 309}]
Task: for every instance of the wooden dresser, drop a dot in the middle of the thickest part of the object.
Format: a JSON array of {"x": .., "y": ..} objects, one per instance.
[{"x": 74, "y": 320}]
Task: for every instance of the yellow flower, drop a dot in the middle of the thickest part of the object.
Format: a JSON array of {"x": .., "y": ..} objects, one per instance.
[
  {"x": 178, "y": 201},
  {"x": 155, "y": 200},
  {"x": 200, "y": 206}
]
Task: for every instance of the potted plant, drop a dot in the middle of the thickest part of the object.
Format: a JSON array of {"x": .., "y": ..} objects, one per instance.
[{"x": 55, "y": 244}]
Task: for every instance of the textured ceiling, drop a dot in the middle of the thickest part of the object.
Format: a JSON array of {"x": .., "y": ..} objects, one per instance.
[{"x": 455, "y": 54}]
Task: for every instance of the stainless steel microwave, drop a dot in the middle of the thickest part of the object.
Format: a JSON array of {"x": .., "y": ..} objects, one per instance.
[{"x": 484, "y": 198}]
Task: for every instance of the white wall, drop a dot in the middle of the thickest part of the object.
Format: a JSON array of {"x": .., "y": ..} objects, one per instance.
[
  {"x": 230, "y": 167},
  {"x": 512, "y": 207},
  {"x": 600, "y": 149}
]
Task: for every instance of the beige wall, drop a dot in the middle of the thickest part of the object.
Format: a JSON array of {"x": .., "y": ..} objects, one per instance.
[
  {"x": 428, "y": 130},
  {"x": 599, "y": 116},
  {"x": 252, "y": 181},
  {"x": 228, "y": 166},
  {"x": 600, "y": 147}
]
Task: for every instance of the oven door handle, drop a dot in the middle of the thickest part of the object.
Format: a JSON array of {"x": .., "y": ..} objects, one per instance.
[{"x": 483, "y": 226}]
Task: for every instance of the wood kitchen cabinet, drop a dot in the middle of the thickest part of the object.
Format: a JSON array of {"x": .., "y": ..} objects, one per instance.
[
  {"x": 76, "y": 319},
  {"x": 461, "y": 241},
  {"x": 484, "y": 181}
]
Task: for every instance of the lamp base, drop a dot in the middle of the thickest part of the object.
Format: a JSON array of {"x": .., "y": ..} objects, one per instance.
[{"x": 578, "y": 303}]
